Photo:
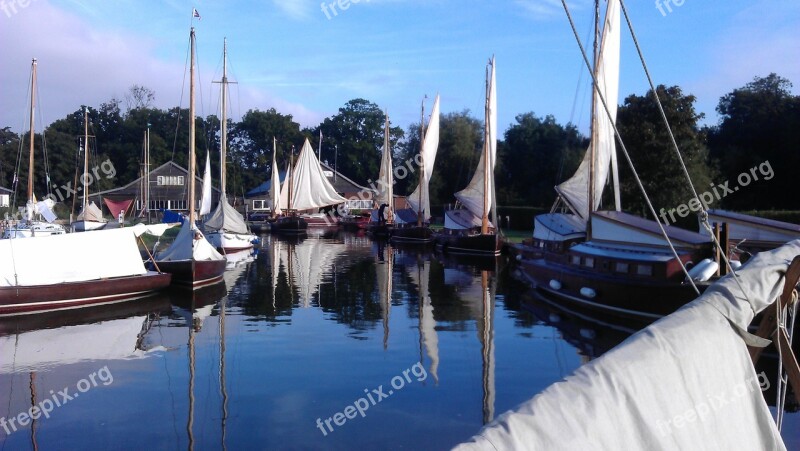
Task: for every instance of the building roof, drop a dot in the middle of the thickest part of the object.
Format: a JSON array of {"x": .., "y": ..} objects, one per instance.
[
  {"x": 170, "y": 167},
  {"x": 340, "y": 183}
]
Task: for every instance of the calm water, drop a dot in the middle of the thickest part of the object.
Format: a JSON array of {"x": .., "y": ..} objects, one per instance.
[{"x": 387, "y": 347}]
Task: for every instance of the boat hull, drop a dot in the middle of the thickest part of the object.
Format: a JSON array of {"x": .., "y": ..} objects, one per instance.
[
  {"x": 40, "y": 298},
  {"x": 87, "y": 226},
  {"x": 37, "y": 229},
  {"x": 412, "y": 235},
  {"x": 231, "y": 242},
  {"x": 379, "y": 229},
  {"x": 194, "y": 274},
  {"x": 289, "y": 225},
  {"x": 623, "y": 297},
  {"x": 474, "y": 244}
]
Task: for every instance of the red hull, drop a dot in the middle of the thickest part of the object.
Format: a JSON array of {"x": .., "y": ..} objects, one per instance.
[
  {"x": 194, "y": 274},
  {"x": 18, "y": 300}
]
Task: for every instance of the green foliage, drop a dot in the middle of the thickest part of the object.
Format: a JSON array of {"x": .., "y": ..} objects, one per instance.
[
  {"x": 647, "y": 140},
  {"x": 760, "y": 122}
]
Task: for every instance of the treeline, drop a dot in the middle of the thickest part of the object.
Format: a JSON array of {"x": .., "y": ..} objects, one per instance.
[{"x": 760, "y": 122}]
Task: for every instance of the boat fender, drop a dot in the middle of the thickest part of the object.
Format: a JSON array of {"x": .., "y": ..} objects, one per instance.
[
  {"x": 554, "y": 284},
  {"x": 703, "y": 271},
  {"x": 588, "y": 292}
]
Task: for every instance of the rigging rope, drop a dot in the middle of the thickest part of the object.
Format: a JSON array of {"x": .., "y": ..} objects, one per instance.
[
  {"x": 625, "y": 150},
  {"x": 703, "y": 213}
]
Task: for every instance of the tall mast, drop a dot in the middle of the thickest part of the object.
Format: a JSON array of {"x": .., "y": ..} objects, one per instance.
[
  {"x": 486, "y": 161},
  {"x": 191, "y": 131},
  {"x": 147, "y": 173},
  {"x": 593, "y": 129},
  {"x": 85, "y": 160},
  {"x": 422, "y": 161},
  {"x": 30, "y": 155},
  {"x": 291, "y": 180},
  {"x": 223, "y": 147}
]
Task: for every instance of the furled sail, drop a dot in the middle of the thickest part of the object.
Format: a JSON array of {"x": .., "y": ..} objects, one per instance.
[
  {"x": 575, "y": 191},
  {"x": 310, "y": 188},
  {"x": 429, "y": 149},
  {"x": 480, "y": 191},
  {"x": 275, "y": 189},
  {"x": 227, "y": 219},
  {"x": 91, "y": 213},
  {"x": 386, "y": 175}
]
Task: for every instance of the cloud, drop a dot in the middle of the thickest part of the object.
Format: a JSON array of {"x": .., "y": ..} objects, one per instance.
[
  {"x": 548, "y": 9},
  {"x": 296, "y": 9}
]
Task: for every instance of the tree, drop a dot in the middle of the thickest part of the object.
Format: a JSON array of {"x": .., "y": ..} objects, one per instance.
[
  {"x": 539, "y": 154},
  {"x": 356, "y": 135},
  {"x": 139, "y": 97},
  {"x": 760, "y": 124},
  {"x": 647, "y": 140}
]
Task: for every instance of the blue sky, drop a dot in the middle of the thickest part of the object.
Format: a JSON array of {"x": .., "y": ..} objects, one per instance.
[{"x": 290, "y": 55}]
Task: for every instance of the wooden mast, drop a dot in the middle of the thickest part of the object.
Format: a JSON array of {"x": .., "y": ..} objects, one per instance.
[
  {"x": 223, "y": 146},
  {"x": 422, "y": 161},
  {"x": 29, "y": 211},
  {"x": 85, "y": 161},
  {"x": 593, "y": 129},
  {"x": 191, "y": 131},
  {"x": 486, "y": 161}
]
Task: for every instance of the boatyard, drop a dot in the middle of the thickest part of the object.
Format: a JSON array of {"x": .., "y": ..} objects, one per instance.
[{"x": 231, "y": 255}]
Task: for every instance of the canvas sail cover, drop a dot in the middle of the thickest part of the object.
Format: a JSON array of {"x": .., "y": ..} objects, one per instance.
[
  {"x": 684, "y": 382},
  {"x": 186, "y": 247},
  {"x": 275, "y": 189},
  {"x": 575, "y": 191},
  {"x": 473, "y": 196},
  {"x": 50, "y": 260},
  {"x": 310, "y": 188},
  {"x": 420, "y": 198},
  {"x": 91, "y": 213},
  {"x": 205, "y": 200},
  {"x": 227, "y": 219}
]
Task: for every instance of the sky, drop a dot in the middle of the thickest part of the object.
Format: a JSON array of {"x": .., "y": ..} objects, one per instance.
[{"x": 309, "y": 57}]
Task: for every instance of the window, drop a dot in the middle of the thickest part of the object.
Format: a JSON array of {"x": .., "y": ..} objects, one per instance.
[
  {"x": 169, "y": 180},
  {"x": 576, "y": 260},
  {"x": 260, "y": 204},
  {"x": 644, "y": 270},
  {"x": 621, "y": 267},
  {"x": 588, "y": 262}
]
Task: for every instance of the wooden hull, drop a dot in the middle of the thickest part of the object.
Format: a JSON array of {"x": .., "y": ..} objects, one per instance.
[
  {"x": 20, "y": 300},
  {"x": 194, "y": 274},
  {"x": 623, "y": 297},
  {"x": 412, "y": 235},
  {"x": 289, "y": 225},
  {"x": 378, "y": 229},
  {"x": 477, "y": 244}
]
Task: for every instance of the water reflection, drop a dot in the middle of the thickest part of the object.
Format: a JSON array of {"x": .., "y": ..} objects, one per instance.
[{"x": 297, "y": 331}]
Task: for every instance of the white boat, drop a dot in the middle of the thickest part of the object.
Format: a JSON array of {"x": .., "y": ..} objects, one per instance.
[
  {"x": 225, "y": 228},
  {"x": 29, "y": 227}
]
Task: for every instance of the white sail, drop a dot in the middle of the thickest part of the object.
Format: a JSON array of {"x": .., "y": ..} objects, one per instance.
[
  {"x": 429, "y": 149},
  {"x": 275, "y": 188},
  {"x": 386, "y": 174},
  {"x": 575, "y": 191},
  {"x": 427, "y": 324},
  {"x": 478, "y": 195},
  {"x": 226, "y": 219},
  {"x": 284, "y": 197},
  {"x": 205, "y": 201},
  {"x": 312, "y": 261},
  {"x": 310, "y": 188}
]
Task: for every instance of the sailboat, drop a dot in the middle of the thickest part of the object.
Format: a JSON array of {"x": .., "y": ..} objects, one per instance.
[
  {"x": 468, "y": 230},
  {"x": 191, "y": 259},
  {"x": 382, "y": 216},
  {"x": 412, "y": 225},
  {"x": 307, "y": 188},
  {"x": 91, "y": 217},
  {"x": 225, "y": 227},
  {"x": 611, "y": 262},
  {"x": 28, "y": 227}
]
